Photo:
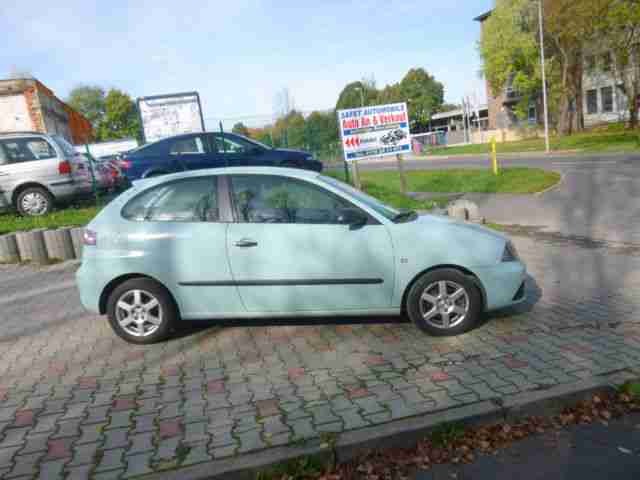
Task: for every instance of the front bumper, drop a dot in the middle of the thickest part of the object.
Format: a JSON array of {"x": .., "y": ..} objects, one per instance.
[{"x": 504, "y": 284}]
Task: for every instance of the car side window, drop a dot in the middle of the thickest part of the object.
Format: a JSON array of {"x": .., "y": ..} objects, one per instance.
[
  {"x": 230, "y": 145},
  {"x": 27, "y": 149},
  {"x": 188, "y": 200},
  {"x": 191, "y": 145},
  {"x": 274, "y": 199}
]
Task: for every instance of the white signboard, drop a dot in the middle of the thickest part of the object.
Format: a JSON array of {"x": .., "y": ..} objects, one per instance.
[
  {"x": 374, "y": 131},
  {"x": 167, "y": 115}
]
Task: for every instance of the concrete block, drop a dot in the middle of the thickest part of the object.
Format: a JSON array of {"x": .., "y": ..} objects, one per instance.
[
  {"x": 9, "y": 249},
  {"x": 58, "y": 243},
  {"x": 464, "y": 210},
  {"x": 31, "y": 246},
  {"x": 76, "y": 239}
]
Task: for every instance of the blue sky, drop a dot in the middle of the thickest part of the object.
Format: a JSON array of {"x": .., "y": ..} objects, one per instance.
[{"x": 239, "y": 53}]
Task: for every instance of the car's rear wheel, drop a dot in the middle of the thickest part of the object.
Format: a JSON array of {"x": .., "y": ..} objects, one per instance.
[
  {"x": 34, "y": 202},
  {"x": 141, "y": 311},
  {"x": 444, "y": 302}
]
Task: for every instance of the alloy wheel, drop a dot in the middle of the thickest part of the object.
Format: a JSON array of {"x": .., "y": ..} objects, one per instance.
[
  {"x": 138, "y": 312},
  {"x": 444, "y": 304}
]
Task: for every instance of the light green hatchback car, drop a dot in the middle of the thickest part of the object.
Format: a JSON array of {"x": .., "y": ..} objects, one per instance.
[{"x": 276, "y": 242}]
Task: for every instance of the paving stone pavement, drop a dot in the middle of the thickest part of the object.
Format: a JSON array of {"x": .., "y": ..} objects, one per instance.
[{"x": 77, "y": 402}]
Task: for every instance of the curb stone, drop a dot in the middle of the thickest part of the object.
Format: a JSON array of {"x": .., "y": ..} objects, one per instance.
[{"x": 401, "y": 433}]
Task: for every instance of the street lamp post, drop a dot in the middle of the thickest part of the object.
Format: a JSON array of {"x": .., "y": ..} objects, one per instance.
[{"x": 544, "y": 80}]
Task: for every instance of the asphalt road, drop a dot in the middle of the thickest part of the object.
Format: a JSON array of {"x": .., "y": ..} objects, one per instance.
[
  {"x": 597, "y": 197},
  {"x": 584, "y": 452}
]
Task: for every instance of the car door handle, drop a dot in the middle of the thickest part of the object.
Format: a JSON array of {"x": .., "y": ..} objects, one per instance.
[{"x": 246, "y": 242}]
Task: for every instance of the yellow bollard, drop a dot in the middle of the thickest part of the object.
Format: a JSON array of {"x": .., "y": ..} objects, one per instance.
[{"x": 494, "y": 157}]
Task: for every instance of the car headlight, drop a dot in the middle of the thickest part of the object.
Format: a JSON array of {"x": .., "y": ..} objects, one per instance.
[{"x": 510, "y": 253}]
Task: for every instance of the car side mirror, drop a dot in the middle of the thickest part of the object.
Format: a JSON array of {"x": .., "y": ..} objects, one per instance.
[{"x": 352, "y": 217}]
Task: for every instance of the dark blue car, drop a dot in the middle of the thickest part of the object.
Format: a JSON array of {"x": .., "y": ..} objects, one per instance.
[{"x": 193, "y": 151}]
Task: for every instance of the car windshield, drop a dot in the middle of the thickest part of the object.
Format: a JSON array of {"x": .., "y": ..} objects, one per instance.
[{"x": 383, "y": 209}]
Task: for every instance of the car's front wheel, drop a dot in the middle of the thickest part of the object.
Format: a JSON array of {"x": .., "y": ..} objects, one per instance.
[
  {"x": 141, "y": 311},
  {"x": 444, "y": 302}
]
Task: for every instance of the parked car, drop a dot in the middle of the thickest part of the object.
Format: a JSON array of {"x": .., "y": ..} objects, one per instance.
[
  {"x": 38, "y": 170},
  {"x": 274, "y": 242},
  {"x": 196, "y": 151}
]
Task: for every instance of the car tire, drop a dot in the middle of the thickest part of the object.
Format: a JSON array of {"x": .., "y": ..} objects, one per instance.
[
  {"x": 444, "y": 302},
  {"x": 34, "y": 202},
  {"x": 142, "y": 311}
]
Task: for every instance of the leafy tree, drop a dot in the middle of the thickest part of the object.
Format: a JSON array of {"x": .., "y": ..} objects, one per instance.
[
  {"x": 120, "y": 118},
  {"x": 510, "y": 52},
  {"x": 620, "y": 32},
  {"x": 240, "y": 129},
  {"x": 321, "y": 131},
  {"x": 288, "y": 130},
  {"x": 423, "y": 94},
  {"x": 390, "y": 94},
  {"x": 356, "y": 94},
  {"x": 447, "y": 107},
  {"x": 89, "y": 100}
]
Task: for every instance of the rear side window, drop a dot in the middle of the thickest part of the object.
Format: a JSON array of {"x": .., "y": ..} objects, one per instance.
[
  {"x": 188, "y": 145},
  {"x": 188, "y": 200},
  {"x": 27, "y": 149}
]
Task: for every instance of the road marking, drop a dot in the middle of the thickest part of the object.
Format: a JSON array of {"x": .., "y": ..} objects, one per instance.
[{"x": 586, "y": 163}]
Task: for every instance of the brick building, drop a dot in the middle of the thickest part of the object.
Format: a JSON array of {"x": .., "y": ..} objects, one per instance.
[{"x": 28, "y": 105}]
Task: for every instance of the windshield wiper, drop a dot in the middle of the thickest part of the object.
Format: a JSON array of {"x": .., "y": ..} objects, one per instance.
[{"x": 405, "y": 215}]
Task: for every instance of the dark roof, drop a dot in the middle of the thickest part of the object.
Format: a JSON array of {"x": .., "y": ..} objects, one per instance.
[{"x": 483, "y": 17}]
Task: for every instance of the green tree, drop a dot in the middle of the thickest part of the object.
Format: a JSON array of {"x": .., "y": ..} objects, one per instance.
[
  {"x": 356, "y": 94},
  {"x": 288, "y": 130},
  {"x": 89, "y": 100},
  {"x": 620, "y": 32},
  {"x": 240, "y": 129},
  {"x": 423, "y": 94},
  {"x": 321, "y": 131},
  {"x": 390, "y": 94},
  {"x": 120, "y": 118},
  {"x": 447, "y": 107}
]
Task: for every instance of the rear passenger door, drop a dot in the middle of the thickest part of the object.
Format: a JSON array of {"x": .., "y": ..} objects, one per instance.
[{"x": 192, "y": 152}]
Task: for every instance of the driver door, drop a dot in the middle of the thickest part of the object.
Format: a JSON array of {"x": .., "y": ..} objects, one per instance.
[{"x": 289, "y": 252}]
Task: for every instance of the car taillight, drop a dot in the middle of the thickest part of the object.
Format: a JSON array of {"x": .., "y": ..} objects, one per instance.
[
  {"x": 64, "y": 168},
  {"x": 89, "y": 237}
]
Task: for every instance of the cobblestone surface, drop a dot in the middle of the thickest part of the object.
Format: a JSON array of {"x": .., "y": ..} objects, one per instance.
[{"x": 75, "y": 401}]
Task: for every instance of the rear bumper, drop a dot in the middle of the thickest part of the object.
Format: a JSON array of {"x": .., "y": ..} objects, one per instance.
[{"x": 90, "y": 285}]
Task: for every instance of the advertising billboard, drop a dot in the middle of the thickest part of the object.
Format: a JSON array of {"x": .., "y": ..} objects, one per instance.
[
  {"x": 375, "y": 131},
  {"x": 163, "y": 116}
]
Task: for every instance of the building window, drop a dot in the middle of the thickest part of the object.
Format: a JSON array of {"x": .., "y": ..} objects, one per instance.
[
  {"x": 590, "y": 63},
  {"x": 607, "y": 99},
  {"x": 592, "y": 102},
  {"x": 606, "y": 62},
  {"x": 621, "y": 98}
]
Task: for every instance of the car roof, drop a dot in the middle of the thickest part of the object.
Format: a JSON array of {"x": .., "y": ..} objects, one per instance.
[
  {"x": 282, "y": 171},
  {"x": 22, "y": 134}
]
